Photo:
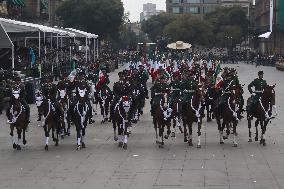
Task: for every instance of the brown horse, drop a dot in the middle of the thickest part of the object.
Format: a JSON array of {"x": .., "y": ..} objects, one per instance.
[
  {"x": 50, "y": 122},
  {"x": 162, "y": 119},
  {"x": 19, "y": 118},
  {"x": 122, "y": 120},
  {"x": 262, "y": 112},
  {"x": 176, "y": 116},
  {"x": 192, "y": 112},
  {"x": 64, "y": 102},
  {"x": 230, "y": 114}
]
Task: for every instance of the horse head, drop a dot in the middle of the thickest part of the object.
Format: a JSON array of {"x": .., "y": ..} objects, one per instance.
[
  {"x": 269, "y": 93},
  {"x": 16, "y": 90},
  {"x": 82, "y": 91},
  {"x": 126, "y": 103}
]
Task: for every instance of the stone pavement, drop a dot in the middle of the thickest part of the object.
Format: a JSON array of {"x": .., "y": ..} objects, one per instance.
[{"x": 103, "y": 165}]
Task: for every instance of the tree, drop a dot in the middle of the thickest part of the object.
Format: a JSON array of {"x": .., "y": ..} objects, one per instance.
[
  {"x": 95, "y": 16},
  {"x": 154, "y": 26},
  {"x": 190, "y": 30}
]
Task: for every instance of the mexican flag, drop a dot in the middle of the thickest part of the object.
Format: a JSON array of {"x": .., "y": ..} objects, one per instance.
[{"x": 218, "y": 70}]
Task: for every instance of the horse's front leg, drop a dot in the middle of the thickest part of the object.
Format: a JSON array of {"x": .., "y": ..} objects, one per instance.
[
  {"x": 78, "y": 130},
  {"x": 220, "y": 129},
  {"x": 235, "y": 123},
  {"x": 190, "y": 143},
  {"x": 24, "y": 136},
  {"x": 13, "y": 141},
  {"x": 249, "y": 127},
  {"x": 256, "y": 129},
  {"x": 19, "y": 132},
  {"x": 263, "y": 130},
  {"x": 161, "y": 135},
  {"x": 185, "y": 134},
  {"x": 156, "y": 131},
  {"x": 199, "y": 134},
  {"x": 208, "y": 112},
  {"x": 225, "y": 124},
  {"x": 125, "y": 137},
  {"x": 83, "y": 137},
  {"x": 46, "y": 131},
  {"x": 114, "y": 124}
]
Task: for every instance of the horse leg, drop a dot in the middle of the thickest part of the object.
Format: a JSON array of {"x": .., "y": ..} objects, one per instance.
[
  {"x": 106, "y": 110},
  {"x": 24, "y": 136},
  {"x": 185, "y": 134},
  {"x": 220, "y": 129},
  {"x": 256, "y": 129},
  {"x": 190, "y": 134},
  {"x": 120, "y": 136},
  {"x": 263, "y": 130},
  {"x": 83, "y": 137},
  {"x": 46, "y": 130},
  {"x": 12, "y": 137},
  {"x": 57, "y": 131},
  {"x": 249, "y": 127},
  {"x": 125, "y": 135},
  {"x": 78, "y": 130},
  {"x": 19, "y": 132},
  {"x": 161, "y": 135},
  {"x": 199, "y": 134},
  {"x": 224, "y": 124},
  {"x": 208, "y": 113},
  {"x": 174, "y": 126},
  {"x": 235, "y": 133},
  {"x": 115, "y": 138},
  {"x": 156, "y": 131}
]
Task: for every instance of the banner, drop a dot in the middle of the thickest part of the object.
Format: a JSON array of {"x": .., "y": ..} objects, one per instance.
[
  {"x": 271, "y": 15},
  {"x": 281, "y": 15}
]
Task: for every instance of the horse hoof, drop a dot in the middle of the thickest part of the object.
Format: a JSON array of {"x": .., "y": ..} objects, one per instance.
[
  {"x": 161, "y": 146},
  {"x": 102, "y": 122},
  {"x": 185, "y": 140},
  {"x": 162, "y": 143},
  {"x": 221, "y": 142},
  {"x": 120, "y": 144},
  {"x": 199, "y": 146},
  {"x": 19, "y": 147},
  {"x": 264, "y": 143},
  {"x": 115, "y": 138},
  {"x": 190, "y": 143},
  {"x": 173, "y": 134},
  {"x": 129, "y": 132},
  {"x": 166, "y": 136},
  {"x": 235, "y": 145},
  {"x": 225, "y": 138},
  {"x": 83, "y": 145},
  {"x": 56, "y": 144},
  {"x": 125, "y": 146},
  {"x": 261, "y": 141},
  {"x": 62, "y": 137},
  {"x": 46, "y": 148},
  {"x": 24, "y": 142},
  {"x": 14, "y": 146},
  {"x": 54, "y": 139},
  {"x": 256, "y": 139},
  {"x": 157, "y": 142},
  {"x": 250, "y": 140},
  {"x": 78, "y": 147},
  {"x": 180, "y": 129}
]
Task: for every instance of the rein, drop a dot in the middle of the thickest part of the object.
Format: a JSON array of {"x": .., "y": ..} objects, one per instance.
[
  {"x": 83, "y": 115},
  {"x": 235, "y": 114},
  {"x": 197, "y": 112},
  {"x": 15, "y": 117},
  {"x": 267, "y": 117}
]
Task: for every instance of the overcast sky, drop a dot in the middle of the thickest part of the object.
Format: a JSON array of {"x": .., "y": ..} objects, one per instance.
[{"x": 135, "y": 7}]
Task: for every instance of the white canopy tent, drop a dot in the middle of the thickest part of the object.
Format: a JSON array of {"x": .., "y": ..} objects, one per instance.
[{"x": 6, "y": 43}]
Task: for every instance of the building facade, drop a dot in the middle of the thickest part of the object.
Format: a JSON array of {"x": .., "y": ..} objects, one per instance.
[
  {"x": 37, "y": 11},
  {"x": 199, "y": 8},
  {"x": 149, "y": 10},
  {"x": 273, "y": 44}
]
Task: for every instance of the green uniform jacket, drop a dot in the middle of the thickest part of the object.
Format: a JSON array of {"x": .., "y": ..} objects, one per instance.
[{"x": 188, "y": 87}]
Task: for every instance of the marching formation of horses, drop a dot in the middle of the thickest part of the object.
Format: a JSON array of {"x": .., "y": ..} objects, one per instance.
[{"x": 127, "y": 111}]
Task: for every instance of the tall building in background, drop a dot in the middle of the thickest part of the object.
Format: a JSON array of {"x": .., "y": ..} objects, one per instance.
[
  {"x": 199, "y": 8},
  {"x": 149, "y": 10}
]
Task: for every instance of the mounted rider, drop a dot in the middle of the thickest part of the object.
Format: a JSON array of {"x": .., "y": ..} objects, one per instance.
[
  {"x": 157, "y": 93},
  {"x": 81, "y": 81},
  {"x": 143, "y": 77},
  {"x": 259, "y": 84},
  {"x": 120, "y": 88},
  {"x": 188, "y": 87},
  {"x": 49, "y": 91},
  {"x": 175, "y": 87},
  {"x": 22, "y": 97}
]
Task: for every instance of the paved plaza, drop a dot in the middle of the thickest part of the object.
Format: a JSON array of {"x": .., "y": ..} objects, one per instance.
[{"x": 145, "y": 166}]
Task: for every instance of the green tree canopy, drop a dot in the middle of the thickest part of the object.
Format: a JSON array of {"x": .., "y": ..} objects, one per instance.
[{"x": 96, "y": 16}]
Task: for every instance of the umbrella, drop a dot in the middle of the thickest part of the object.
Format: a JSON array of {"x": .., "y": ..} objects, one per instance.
[{"x": 179, "y": 45}]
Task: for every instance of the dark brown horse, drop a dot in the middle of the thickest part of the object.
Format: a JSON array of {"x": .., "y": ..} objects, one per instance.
[
  {"x": 50, "y": 122},
  {"x": 230, "y": 114},
  {"x": 122, "y": 120},
  {"x": 19, "y": 118},
  {"x": 192, "y": 112},
  {"x": 64, "y": 102},
  {"x": 262, "y": 112},
  {"x": 162, "y": 119},
  {"x": 176, "y": 116},
  {"x": 210, "y": 100},
  {"x": 80, "y": 113}
]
